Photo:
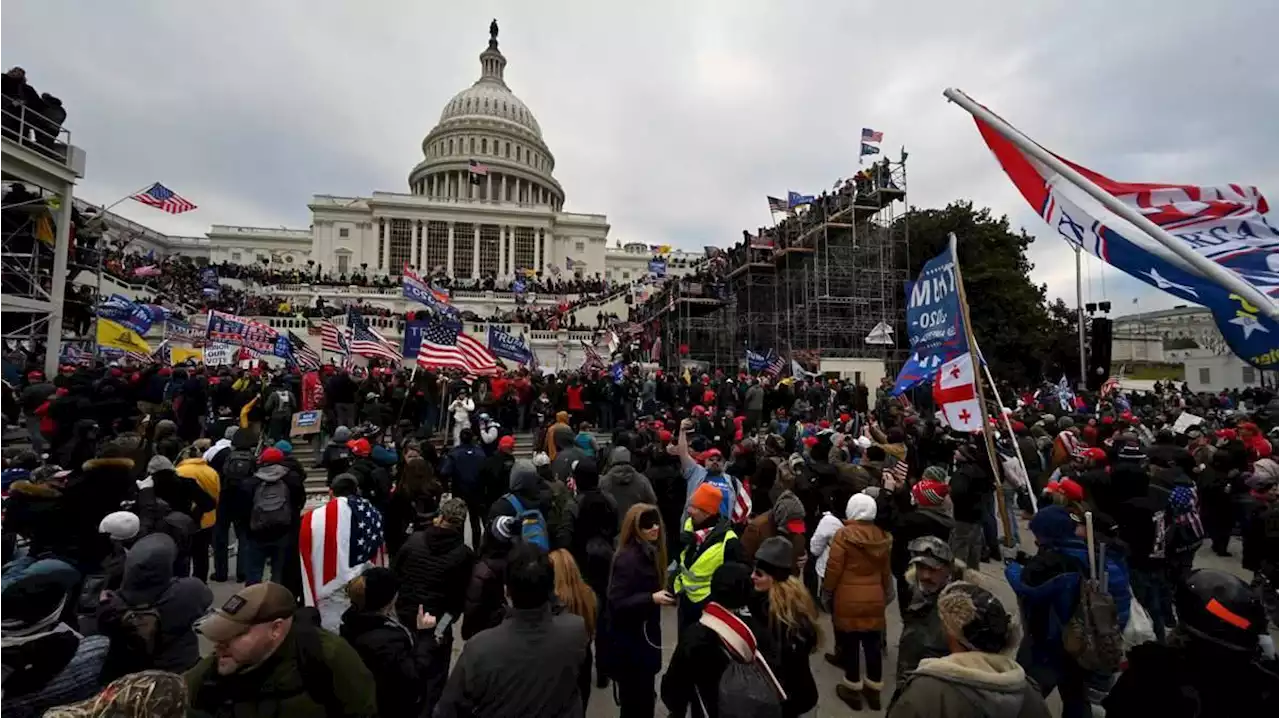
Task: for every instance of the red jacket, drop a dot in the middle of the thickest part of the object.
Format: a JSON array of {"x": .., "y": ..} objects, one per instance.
[{"x": 574, "y": 393}]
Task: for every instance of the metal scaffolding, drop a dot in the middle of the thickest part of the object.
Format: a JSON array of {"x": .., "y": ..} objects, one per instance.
[
  {"x": 695, "y": 329},
  {"x": 40, "y": 168},
  {"x": 820, "y": 283}
]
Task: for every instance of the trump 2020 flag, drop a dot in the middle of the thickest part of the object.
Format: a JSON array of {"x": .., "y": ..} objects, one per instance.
[
  {"x": 935, "y": 325},
  {"x": 956, "y": 394},
  {"x": 1225, "y": 224}
]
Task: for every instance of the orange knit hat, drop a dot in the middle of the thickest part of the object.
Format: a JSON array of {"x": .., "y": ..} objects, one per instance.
[{"x": 707, "y": 497}]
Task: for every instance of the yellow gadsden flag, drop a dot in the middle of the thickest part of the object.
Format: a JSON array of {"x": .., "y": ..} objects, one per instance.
[{"x": 111, "y": 334}]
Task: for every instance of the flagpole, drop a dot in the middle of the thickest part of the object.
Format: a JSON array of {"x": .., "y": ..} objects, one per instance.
[
  {"x": 982, "y": 399},
  {"x": 1008, "y": 425},
  {"x": 1084, "y": 367},
  {"x": 1201, "y": 264},
  {"x": 102, "y": 218}
]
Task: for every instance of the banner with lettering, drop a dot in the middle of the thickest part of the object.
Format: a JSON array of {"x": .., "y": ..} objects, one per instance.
[
  {"x": 231, "y": 329},
  {"x": 935, "y": 325},
  {"x": 510, "y": 347},
  {"x": 127, "y": 313},
  {"x": 219, "y": 355},
  {"x": 658, "y": 267}
]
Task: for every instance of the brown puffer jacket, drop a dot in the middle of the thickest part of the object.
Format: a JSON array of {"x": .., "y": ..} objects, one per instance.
[{"x": 858, "y": 574}]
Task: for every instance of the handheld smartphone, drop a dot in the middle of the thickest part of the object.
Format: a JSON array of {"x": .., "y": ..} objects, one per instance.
[{"x": 443, "y": 625}]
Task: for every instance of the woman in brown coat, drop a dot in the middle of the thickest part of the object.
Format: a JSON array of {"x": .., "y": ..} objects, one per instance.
[{"x": 857, "y": 581}]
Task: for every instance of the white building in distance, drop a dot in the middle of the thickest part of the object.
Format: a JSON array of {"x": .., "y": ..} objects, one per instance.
[
  {"x": 1187, "y": 335},
  {"x": 482, "y": 202}
]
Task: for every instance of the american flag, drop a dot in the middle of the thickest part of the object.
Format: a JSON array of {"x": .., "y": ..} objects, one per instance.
[
  {"x": 334, "y": 338},
  {"x": 367, "y": 342},
  {"x": 775, "y": 365},
  {"x": 161, "y": 197},
  {"x": 593, "y": 360},
  {"x": 777, "y": 205},
  {"x": 897, "y": 472},
  {"x": 655, "y": 351},
  {"x": 304, "y": 356},
  {"x": 476, "y": 169},
  {"x": 870, "y": 135},
  {"x": 337, "y": 542},
  {"x": 443, "y": 347}
]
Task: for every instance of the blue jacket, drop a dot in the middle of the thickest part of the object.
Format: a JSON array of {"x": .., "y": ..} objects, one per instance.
[
  {"x": 462, "y": 465},
  {"x": 1047, "y": 603}
]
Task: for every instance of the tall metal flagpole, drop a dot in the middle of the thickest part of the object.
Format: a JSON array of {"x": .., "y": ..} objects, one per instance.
[
  {"x": 1201, "y": 264},
  {"x": 102, "y": 217},
  {"x": 1084, "y": 367},
  {"x": 982, "y": 397}
]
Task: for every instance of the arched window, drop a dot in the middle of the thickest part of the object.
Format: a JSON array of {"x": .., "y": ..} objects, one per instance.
[
  {"x": 451, "y": 146},
  {"x": 473, "y": 145},
  {"x": 508, "y": 150},
  {"x": 484, "y": 145},
  {"x": 517, "y": 153},
  {"x": 486, "y": 104}
]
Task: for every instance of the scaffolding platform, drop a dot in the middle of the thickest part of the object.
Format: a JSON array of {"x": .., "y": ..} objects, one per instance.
[{"x": 40, "y": 169}]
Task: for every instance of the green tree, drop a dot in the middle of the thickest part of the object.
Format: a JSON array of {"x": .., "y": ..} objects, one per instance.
[{"x": 1023, "y": 337}]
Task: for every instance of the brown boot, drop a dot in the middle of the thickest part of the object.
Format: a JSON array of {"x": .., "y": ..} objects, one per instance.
[
  {"x": 850, "y": 693},
  {"x": 834, "y": 659},
  {"x": 872, "y": 691}
]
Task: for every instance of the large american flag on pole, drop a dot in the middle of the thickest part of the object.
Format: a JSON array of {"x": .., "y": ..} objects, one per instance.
[
  {"x": 163, "y": 198},
  {"x": 334, "y": 338},
  {"x": 337, "y": 542},
  {"x": 444, "y": 347},
  {"x": 367, "y": 342},
  {"x": 303, "y": 355}
]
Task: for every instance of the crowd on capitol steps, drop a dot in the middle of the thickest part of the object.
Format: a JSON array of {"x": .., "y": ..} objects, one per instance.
[{"x": 773, "y": 524}]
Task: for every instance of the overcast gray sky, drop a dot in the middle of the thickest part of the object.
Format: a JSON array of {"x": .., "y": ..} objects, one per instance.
[{"x": 673, "y": 118}]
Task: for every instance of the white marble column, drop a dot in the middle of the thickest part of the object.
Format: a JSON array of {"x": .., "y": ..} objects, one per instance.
[
  {"x": 504, "y": 238},
  {"x": 503, "y": 196},
  {"x": 537, "y": 254},
  {"x": 449, "y": 252},
  {"x": 511, "y": 252},
  {"x": 431, "y": 186},
  {"x": 488, "y": 187},
  {"x": 475, "y": 251}
]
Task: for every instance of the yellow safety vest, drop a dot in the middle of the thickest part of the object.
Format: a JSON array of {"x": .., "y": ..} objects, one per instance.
[{"x": 695, "y": 581}]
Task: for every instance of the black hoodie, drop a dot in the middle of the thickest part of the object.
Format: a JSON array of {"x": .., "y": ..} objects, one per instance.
[
  {"x": 434, "y": 567},
  {"x": 399, "y": 660}
]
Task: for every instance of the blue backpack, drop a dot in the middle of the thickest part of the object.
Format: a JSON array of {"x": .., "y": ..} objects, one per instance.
[{"x": 533, "y": 526}]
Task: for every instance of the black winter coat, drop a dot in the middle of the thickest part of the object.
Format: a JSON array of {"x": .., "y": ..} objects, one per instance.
[
  {"x": 101, "y": 487},
  {"x": 698, "y": 662},
  {"x": 970, "y": 482},
  {"x": 594, "y": 533},
  {"x": 794, "y": 648},
  {"x": 911, "y": 525},
  {"x": 374, "y": 482},
  {"x": 398, "y": 659},
  {"x": 434, "y": 566},
  {"x": 632, "y": 641},
  {"x": 486, "y": 601}
]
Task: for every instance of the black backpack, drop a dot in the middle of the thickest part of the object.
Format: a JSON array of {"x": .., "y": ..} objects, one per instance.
[{"x": 238, "y": 471}]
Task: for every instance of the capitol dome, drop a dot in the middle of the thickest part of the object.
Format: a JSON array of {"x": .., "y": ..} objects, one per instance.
[{"x": 487, "y": 145}]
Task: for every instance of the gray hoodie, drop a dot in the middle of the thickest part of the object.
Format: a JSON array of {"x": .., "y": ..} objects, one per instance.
[
  {"x": 148, "y": 581},
  {"x": 626, "y": 485}
]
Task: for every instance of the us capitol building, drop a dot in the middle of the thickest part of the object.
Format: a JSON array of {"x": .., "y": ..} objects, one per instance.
[{"x": 512, "y": 220}]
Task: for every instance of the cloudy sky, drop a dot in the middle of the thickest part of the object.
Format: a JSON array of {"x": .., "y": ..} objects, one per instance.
[{"x": 673, "y": 118}]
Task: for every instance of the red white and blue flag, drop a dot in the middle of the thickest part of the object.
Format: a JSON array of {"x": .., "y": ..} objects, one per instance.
[
  {"x": 163, "y": 198},
  {"x": 337, "y": 542},
  {"x": 367, "y": 342},
  {"x": 446, "y": 347},
  {"x": 1225, "y": 224},
  {"x": 870, "y": 135},
  {"x": 334, "y": 338}
]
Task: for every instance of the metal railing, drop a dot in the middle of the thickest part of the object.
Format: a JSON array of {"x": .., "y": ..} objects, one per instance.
[{"x": 25, "y": 126}]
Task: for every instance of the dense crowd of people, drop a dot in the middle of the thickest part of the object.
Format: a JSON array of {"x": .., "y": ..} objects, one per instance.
[{"x": 752, "y": 506}]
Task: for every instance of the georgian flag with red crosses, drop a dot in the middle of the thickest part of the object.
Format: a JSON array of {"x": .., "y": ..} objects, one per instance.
[{"x": 956, "y": 395}]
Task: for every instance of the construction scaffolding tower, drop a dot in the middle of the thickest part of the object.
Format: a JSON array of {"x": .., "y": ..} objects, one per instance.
[
  {"x": 819, "y": 283},
  {"x": 40, "y": 169},
  {"x": 695, "y": 329}
]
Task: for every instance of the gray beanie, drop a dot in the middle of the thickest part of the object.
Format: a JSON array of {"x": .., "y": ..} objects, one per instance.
[
  {"x": 774, "y": 557},
  {"x": 1066, "y": 422},
  {"x": 230, "y": 433},
  {"x": 341, "y": 435},
  {"x": 159, "y": 463}
]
